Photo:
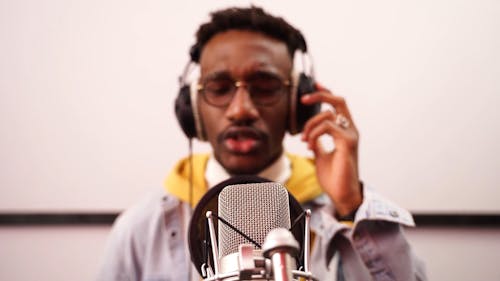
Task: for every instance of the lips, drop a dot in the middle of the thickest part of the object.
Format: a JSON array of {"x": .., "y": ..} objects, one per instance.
[{"x": 242, "y": 140}]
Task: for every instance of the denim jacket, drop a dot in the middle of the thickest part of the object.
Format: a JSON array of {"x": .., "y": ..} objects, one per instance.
[{"x": 149, "y": 242}]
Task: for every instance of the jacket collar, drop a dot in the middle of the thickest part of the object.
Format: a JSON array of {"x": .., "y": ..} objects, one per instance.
[{"x": 302, "y": 182}]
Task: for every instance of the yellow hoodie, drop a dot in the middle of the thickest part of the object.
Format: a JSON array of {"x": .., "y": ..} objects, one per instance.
[{"x": 302, "y": 183}]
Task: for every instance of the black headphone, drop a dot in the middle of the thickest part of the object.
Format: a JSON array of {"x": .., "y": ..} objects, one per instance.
[{"x": 186, "y": 109}]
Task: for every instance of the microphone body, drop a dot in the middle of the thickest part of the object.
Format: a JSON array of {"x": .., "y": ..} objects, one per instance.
[
  {"x": 254, "y": 209},
  {"x": 257, "y": 210},
  {"x": 280, "y": 246},
  {"x": 282, "y": 266}
]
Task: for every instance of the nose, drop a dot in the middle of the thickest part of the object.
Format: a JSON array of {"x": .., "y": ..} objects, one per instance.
[{"x": 242, "y": 109}]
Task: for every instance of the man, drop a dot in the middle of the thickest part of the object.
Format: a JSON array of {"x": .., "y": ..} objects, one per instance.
[{"x": 242, "y": 106}]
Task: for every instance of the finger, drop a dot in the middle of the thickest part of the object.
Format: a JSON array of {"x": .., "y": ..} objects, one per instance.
[
  {"x": 322, "y": 96},
  {"x": 313, "y": 143},
  {"x": 342, "y": 121},
  {"x": 344, "y": 140},
  {"x": 327, "y": 127},
  {"x": 344, "y": 135},
  {"x": 323, "y": 116}
]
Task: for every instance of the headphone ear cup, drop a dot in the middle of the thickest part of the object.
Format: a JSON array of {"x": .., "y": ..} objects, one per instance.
[
  {"x": 304, "y": 112},
  {"x": 184, "y": 112}
]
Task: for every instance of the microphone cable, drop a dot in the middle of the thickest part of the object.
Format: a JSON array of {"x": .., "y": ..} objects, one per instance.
[
  {"x": 234, "y": 228},
  {"x": 191, "y": 207},
  {"x": 191, "y": 177}
]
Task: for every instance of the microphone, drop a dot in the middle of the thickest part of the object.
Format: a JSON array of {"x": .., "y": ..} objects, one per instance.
[
  {"x": 255, "y": 209},
  {"x": 249, "y": 212}
]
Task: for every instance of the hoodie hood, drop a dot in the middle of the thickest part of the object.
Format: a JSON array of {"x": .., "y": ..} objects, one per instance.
[{"x": 302, "y": 184}]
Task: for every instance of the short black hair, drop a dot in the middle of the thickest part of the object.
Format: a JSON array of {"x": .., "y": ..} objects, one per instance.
[{"x": 251, "y": 19}]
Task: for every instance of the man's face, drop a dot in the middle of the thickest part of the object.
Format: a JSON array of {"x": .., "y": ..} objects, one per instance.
[{"x": 245, "y": 136}]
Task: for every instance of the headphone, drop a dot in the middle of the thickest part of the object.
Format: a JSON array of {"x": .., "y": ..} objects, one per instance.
[{"x": 186, "y": 106}]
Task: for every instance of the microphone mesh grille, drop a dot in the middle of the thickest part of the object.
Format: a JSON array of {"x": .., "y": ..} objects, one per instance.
[{"x": 255, "y": 209}]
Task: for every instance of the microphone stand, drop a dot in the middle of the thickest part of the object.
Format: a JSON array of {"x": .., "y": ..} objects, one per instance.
[{"x": 247, "y": 269}]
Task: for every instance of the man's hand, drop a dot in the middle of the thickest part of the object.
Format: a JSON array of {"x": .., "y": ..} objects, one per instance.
[{"x": 337, "y": 170}]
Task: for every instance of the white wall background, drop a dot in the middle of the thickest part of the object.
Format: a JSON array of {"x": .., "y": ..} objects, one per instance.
[
  {"x": 87, "y": 91},
  {"x": 87, "y": 123}
]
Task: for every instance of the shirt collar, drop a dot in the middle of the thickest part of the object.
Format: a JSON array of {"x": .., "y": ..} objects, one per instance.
[{"x": 280, "y": 171}]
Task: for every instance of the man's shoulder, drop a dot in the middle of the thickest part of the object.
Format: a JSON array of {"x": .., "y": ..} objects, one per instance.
[{"x": 147, "y": 210}]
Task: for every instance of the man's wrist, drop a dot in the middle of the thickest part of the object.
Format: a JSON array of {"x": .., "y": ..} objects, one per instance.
[{"x": 351, "y": 215}]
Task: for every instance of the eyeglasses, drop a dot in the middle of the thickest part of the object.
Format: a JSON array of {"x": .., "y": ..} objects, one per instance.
[{"x": 264, "y": 91}]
